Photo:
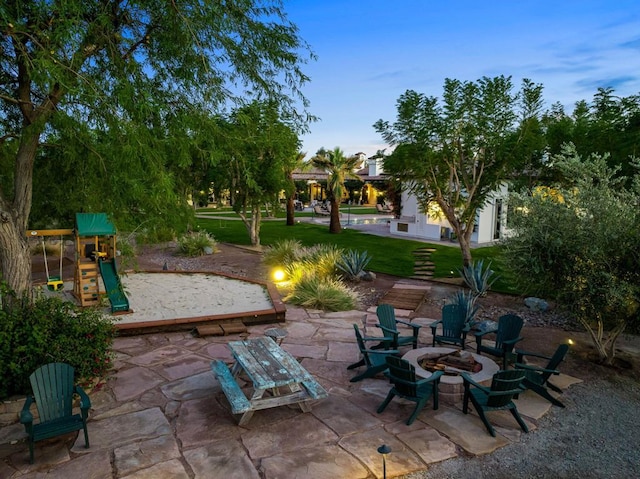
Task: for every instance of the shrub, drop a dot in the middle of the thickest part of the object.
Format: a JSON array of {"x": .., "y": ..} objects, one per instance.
[
  {"x": 283, "y": 253},
  {"x": 196, "y": 243},
  {"x": 322, "y": 293},
  {"x": 324, "y": 258},
  {"x": 51, "y": 330},
  {"x": 353, "y": 263}
]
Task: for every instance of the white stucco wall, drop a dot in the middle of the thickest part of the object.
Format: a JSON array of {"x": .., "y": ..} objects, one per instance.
[{"x": 414, "y": 224}]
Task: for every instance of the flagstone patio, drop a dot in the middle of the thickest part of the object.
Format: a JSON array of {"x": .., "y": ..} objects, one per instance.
[{"x": 162, "y": 415}]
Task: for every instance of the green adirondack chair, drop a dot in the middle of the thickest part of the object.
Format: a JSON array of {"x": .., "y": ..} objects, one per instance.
[
  {"x": 454, "y": 326},
  {"x": 504, "y": 387},
  {"x": 402, "y": 375},
  {"x": 53, "y": 389},
  {"x": 506, "y": 337},
  {"x": 389, "y": 325},
  {"x": 536, "y": 378},
  {"x": 372, "y": 359}
]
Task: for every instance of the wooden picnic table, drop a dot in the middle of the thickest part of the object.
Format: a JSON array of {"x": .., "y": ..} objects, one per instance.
[{"x": 278, "y": 379}]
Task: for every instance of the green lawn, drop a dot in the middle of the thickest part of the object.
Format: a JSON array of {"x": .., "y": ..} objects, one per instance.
[{"x": 389, "y": 255}]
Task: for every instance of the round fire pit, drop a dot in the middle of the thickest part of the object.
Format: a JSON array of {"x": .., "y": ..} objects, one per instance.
[{"x": 451, "y": 390}]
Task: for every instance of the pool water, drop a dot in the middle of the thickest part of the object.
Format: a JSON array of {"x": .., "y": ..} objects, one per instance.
[{"x": 365, "y": 221}]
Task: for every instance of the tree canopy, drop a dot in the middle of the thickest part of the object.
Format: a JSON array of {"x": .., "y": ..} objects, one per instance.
[
  {"x": 578, "y": 242},
  {"x": 339, "y": 167},
  {"x": 608, "y": 125},
  {"x": 256, "y": 147},
  {"x": 457, "y": 152},
  {"x": 117, "y": 89}
]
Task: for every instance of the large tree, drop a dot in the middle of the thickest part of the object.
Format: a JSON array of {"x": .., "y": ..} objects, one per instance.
[
  {"x": 458, "y": 152},
  {"x": 105, "y": 67},
  {"x": 608, "y": 125},
  {"x": 578, "y": 243},
  {"x": 339, "y": 168},
  {"x": 254, "y": 150}
]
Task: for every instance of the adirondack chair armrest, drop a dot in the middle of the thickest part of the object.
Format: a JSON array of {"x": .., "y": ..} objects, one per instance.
[
  {"x": 434, "y": 325},
  {"x": 435, "y": 377},
  {"x": 382, "y": 351},
  {"x": 510, "y": 342},
  {"x": 407, "y": 323},
  {"x": 522, "y": 354},
  {"x": 466, "y": 328},
  {"x": 480, "y": 334},
  {"x": 530, "y": 367},
  {"x": 386, "y": 331},
  {"x": 468, "y": 381},
  {"x": 26, "y": 417},
  {"x": 85, "y": 402}
]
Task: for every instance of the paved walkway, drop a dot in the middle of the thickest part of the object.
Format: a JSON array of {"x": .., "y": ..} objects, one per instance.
[{"x": 162, "y": 415}]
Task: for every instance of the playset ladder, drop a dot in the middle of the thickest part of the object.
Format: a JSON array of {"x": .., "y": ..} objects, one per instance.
[{"x": 88, "y": 283}]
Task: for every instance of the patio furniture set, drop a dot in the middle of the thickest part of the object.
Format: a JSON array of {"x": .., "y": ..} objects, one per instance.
[
  {"x": 275, "y": 378},
  {"x": 474, "y": 377}
]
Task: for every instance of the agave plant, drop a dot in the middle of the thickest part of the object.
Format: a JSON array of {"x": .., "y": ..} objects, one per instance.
[
  {"x": 478, "y": 278},
  {"x": 466, "y": 301},
  {"x": 353, "y": 263}
]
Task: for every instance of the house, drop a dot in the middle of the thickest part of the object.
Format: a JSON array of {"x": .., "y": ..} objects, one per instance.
[
  {"x": 490, "y": 224},
  {"x": 369, "y": 173}
]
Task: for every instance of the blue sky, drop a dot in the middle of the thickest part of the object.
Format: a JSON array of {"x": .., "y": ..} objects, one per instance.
[{"x": 371, "y": 51}]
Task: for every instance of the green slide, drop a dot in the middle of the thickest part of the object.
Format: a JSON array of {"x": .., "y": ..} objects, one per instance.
[{"x": 113, "y": 286}]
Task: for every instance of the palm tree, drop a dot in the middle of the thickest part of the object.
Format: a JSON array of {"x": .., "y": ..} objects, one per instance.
[
  {"x": 339, "y": 168},
  {"x": 297, "y": 163}
]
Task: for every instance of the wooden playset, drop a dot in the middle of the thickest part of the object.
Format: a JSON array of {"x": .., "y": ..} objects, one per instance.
[{"x": 95, "y": 251}]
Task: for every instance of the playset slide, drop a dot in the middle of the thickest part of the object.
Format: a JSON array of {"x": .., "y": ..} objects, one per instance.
[{"x": 113, "y": 286}]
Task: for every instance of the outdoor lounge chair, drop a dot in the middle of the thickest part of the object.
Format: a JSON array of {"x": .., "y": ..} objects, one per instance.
[
  {"x": 317, "y": 209},
  {"x": 504, "y": 387},
  {"x": 53, "y": 391},
  {"x": 536, "y": 378},
  {"x": 454, "y": 326},
  {"x": 507, "y": 335},
  {"x": 389, "y": 325},
  {"x": 402, "y": 375},
  {"x": 372, "y": 359}
]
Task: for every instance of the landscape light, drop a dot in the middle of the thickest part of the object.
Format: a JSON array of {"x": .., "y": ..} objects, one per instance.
[
  {"x": 384, "y": 450},
  {"x": 279, "y": 275}
]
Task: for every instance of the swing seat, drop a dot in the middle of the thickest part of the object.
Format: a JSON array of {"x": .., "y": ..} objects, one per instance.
[{"x": 55, "y": 284}]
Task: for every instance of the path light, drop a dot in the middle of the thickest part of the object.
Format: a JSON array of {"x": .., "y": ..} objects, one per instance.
[
  {"x": 570, "y": 342},
  {"x": 278, "y": 275},
  {"x": 384, "y": 450}
]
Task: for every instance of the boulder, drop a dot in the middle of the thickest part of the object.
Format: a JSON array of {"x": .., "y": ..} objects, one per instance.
[{"x": 536, "y": 304}]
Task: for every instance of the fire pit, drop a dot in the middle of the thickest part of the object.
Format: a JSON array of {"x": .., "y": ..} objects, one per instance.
[
  {"x": 451, "y": 364},
  {"x": 451, "y": 361}
]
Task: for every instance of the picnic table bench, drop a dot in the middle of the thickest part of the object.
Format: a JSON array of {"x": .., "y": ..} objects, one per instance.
[{"x": 278, "y": 379}]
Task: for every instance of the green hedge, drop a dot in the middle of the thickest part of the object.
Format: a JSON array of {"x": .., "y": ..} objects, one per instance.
[{"x": 51, "y": 330}]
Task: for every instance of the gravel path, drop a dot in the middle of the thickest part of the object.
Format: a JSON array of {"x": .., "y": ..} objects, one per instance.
[{"x": 595, "y": 436}]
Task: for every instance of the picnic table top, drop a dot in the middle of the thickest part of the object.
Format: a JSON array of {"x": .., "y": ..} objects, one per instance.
[{"x": 267, "y": 364}]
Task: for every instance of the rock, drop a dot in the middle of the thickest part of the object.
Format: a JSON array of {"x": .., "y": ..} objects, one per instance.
[
  {"x": 368, "y": 276},
  {"x": 536, "y": 304}
]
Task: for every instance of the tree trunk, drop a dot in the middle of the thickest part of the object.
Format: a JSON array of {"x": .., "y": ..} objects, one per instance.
[
  {"x": 15, "y": 258},
  {"x": 334, "y": 224},
  {"x": 464, "y": 240},
  {"x": 462, "y": 231},
  {"x": 15, "y": 262},
  {"x": 291, "y": 210},
  {"x": 254, "y": 230}
]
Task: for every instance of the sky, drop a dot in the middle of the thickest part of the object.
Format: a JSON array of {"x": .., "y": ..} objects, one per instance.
[{"x": 372, "y": 51}]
